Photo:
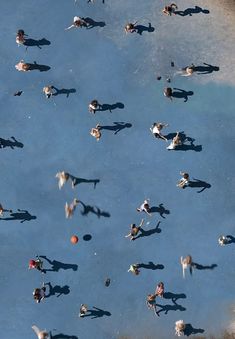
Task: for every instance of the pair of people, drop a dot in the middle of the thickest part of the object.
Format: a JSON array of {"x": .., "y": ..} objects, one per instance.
[{"x": 151, "y": 298}]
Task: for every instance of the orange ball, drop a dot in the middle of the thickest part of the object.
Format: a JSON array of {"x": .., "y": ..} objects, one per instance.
[{"x": 74, "y": 239}]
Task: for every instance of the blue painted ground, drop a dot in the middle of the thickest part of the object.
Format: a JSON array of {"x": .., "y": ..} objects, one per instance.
[{"x": 131, "y": 165}]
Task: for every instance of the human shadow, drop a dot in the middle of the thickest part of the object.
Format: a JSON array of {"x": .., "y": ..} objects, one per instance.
[
  {"x": 76, "y": 181},
  {"x": 40, "y": 68},
  {"x": 196, "y": 183},
  {"x": 10, "y": 143},
  {"x": 140, "y": 28},
  {"x": 23, "y": 215},
  {"x": 174, "y": 296},
  {"x": 148, "y": 232},
  {"x": 181, "y": 94},
  {"x": 190, "y": 330},
  {"x": 63, "y": 336},
  {"x": 202, "y": 267},
  {"x": 92, "y": 23},
  {"x": 167, "y": 308},
  {"x": 59, "y": 290},
  {"x": 184, "y": 139},
  {"x": 151, "y": 266},
  {"x": 191, "y": 11},
  {"x": 63, "y": 91},
  {"x": 93, "y": 209},
  {"x": 117, "y": 127},
  {"x": 97, "y": 313},
  {"x": 206, "y": 69},
  {"x": 38, "y": 43},
  {"x": 110, "y": 108},
  {"x": 159, "y": 209},
  {"x": 230, "y": 240},
  {"x": 58, "y": 265}
]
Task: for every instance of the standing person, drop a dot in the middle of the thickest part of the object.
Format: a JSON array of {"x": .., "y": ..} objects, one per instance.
[
  {"x": 95, "y": 132},
  {"x": 134, "y": 269},
  {"x": 223, "y": 240},
  {"x": 48, "y": 91},
  {"x": 20, "y": 37},
  {"x": 36, "y": 264},
  {"x": 170, "y": 9},
  {"x": 22, "y": 66},
  {"x": 83, "y": 310},
  {"x": 130, "y": 27},
  {"x": 188, "y": 71},
  {"x": 134, "y": 230},
  {"x": 2, "y": 210},
  {"x": 70, "y": 208},
  {"x": 179, "y": 328},
  {"x": 42, "y": 334},
  {"x": 39, "y": 293},
  {"x": 184, "y": 180},
  {"x": 156, "y": 130},
  {"x": 145, "y": 207},
  {"x": 185, "y": 263},
  {"x": 160, "y": 290},
  {"x": 63, "y": 178},
  {"x": 168, "y": 92},
  {"x": 176, "y": 141},
  {"x": 94, "y": 105},
  {"x": 151, "y": 303},
  {"x": 77, "y": 23}
]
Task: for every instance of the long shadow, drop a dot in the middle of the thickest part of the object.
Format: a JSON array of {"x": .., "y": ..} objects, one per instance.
[
  {"x": 181, "y": 94},
  {"x": 92, "y": 23},
  {"x": 231, "y": 239},
  {"x": 190, "y": 330},
  {"x": 184, "y": 138},
  {"x": 159, "y": 209},
  {"x": 63, "y": 91},
  {"x": 151, "y": 266},
  {"x": 40, "y": 68},
  {"x": 63, "y": 336},
  {"x": 10, "y": 143},
  {"x": 140, "y": 29},
  {"x": 206, "y": 69},
  {"x": 174, "y": 296},
  {"x": 97, "y": 313},
  {"x": 37, "y": 43},
  {"x": 59, "y": 290},
  {"x": 117, "y": 127},
  {"x": 57, "y": 265},
  {"x": 93, "y": 209},
  {"x": 110, "y": 108},
  {"x": 202, "y": 267},
  {"x": 196, "y": 183},
  {"x": 167, "y": 308},
  {"x": 148, "y": 232},
  {"x": 191, "y": 11},
  {"x": 23, "y": 215},
  {"x": 76, "y": 181}
]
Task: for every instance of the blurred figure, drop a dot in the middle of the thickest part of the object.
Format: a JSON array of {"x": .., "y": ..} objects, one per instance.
[
  {"x": 151, "y": 303},
  {"x": 63, "y": 178},
  {"x": 130, "y": 27},
  {"x": 170, "y": 9},
  {"x": 48, "y": 91},
  {"x": 134, "y": 230},
  {"x": 134, "y": 269},
  {"x": 39, "y": 293},
  {"x": 176, "y": 141},
  {"x": 95, "y": 132},
  {"x": 160, "y": 290},
  {"x": 144, "y": 207},
  {"x": 22, "y": 66},
  {"x": 83, "y": 310},
  {"x": 156, "y": 130},
  {"x": 36, "y": 264},
  {"x": 179, "y": 328},
  {"x": 77, "y": 23},
  {"x": 20, "y": 37},
  {"x": 42, "y": 334},
  {"x": 168, "y": 92},
  {"x": 188, "y": 70},
  {"x": 93, "y": 106},
  {"x": 223, "y": 240},
  {"x": 185, "y": 263},
  {"x": 69, "y": 209},
  {"x": 184, "y": 180}
]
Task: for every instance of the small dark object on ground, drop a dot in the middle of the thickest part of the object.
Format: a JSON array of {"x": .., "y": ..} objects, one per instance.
[
  {"x": 17, "y": 94},
  {"x": 172, "y": 64},
  {"x": 107, "y": 282},
  {"x": 159, "y": 78},
  {"x": 168, "y": 80}
]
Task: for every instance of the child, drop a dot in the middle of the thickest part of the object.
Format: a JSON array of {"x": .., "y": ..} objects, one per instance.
[
  {"x": 184, "y": 180},
  {"x": 144, "y": 207},
  {"x": 134, "y": 230},
  {"x": 95, "y": 132},
  {"x": 156, "y": 130},
  {"x": 93, "y": 106}
]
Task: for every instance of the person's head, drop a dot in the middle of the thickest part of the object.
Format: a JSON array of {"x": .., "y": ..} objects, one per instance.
[
  {"x": 25, "y": 67},
  {"x": 32, "y": 264},
  {"x": 146, "y": 206},
  {"x": 20, "y": 32},
  {"x": 186, "y": 176}
]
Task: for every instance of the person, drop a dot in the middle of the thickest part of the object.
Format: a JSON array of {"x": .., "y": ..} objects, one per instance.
[
  {"x": 151, "y": 303},
  {"x": 95, "y": 132},
  {"x": 77, "y": 23},
  {"x": 156, "y": 130},
  {"x": 48, "y": 91},
  {"x": 134, "y": 269},
  {"x": 134, "y": 230},
  {"x": 69, "y": 209},
  {"x": 36, "y": 264},
  {"x": 160, "y": 290},
  {"x": 145, "y": 207},
  {"x": 22, "y": 66},
  {"x": 176, "y": 141},
  {"x": 83, "y": 310},
  {"x": 168, "y": 10},
  {"x": 188, "y": 71},
  {"x": 168, "y": 92},
  {"x": 130, "y": 27},
  {"x": 42, "y": 334},
  {"x": 20, "y": 37},
  {"x": 223, "y": 240},
  {"x": 93, "y": 106},
  {"x": 179, "y": 328},
  {"x": 2, "y": 210},
  {"x": 184, "y": 180},
  {"x": 39, "y": 293},
  {"x": 185, "y": 263},
  {"x": 63, "y": 178}
]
